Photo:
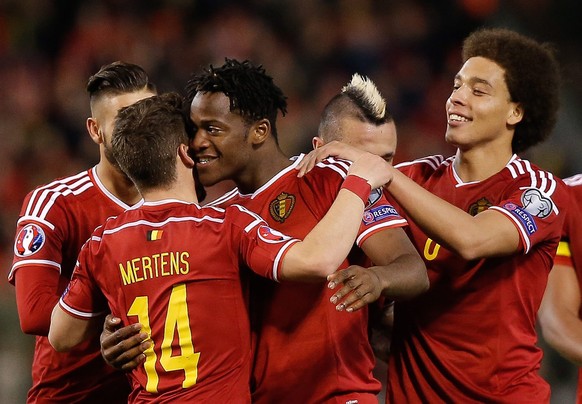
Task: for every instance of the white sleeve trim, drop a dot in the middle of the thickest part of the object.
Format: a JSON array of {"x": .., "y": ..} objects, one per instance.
[
  {"x": 83, "y": 314},
  {"x": 520, "y": 228},
  {"x": 389, "y": 224},
  {"x": 277, "y": 262}
]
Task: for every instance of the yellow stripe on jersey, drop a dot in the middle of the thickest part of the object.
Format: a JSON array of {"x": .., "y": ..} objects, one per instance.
[{"x": 564, "y": 249}]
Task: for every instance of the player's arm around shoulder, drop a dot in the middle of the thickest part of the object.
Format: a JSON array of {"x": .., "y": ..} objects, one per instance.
[{"x": 330, "y": 241}]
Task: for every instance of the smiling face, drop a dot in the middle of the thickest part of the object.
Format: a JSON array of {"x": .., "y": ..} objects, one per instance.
[
  {"x": 480, "y": 110},
  {"x": 221, "y": 144}
]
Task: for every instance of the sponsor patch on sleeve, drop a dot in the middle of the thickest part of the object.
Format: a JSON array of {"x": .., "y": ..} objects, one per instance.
[
  {"x": 523, "y": 216},
  {"x": 379, "y": 213}
]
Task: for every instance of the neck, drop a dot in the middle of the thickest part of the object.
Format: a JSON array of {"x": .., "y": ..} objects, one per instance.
[
  {"x": 116, "y": 182},
  {"x": 265, "y": 165},
  {"x": 478, "y": 165},
  {"x": 182, "y": 189}
]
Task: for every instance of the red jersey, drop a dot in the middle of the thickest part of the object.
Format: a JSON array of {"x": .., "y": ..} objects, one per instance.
[
  {"x": 55, "y": 220},
  {"x": 570, "y": 249},
  {"x": 306, "y": 351},
  {"x": 471, "y": 337},
  {"x": 174, "y": 267}
]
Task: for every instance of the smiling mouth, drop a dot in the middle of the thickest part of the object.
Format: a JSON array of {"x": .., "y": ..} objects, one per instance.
[
  {"x": 457, "y": 118},
  {"x": 202, "y": 161}
]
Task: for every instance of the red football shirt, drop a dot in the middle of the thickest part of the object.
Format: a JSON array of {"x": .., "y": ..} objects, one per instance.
[
  {"x": 55, "y": 220},
  {"x": 570, "y": 251},
  {"x": 306, "y": 351},
  {"x": 471, "y": 337},
  {"x": 174, "y": 267}
]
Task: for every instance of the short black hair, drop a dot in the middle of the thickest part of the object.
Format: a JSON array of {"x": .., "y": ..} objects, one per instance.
[
  {"x": 252, "y": 93},
  {"x": 117, "y": 78},
  {"x": 532, "y": 76}
]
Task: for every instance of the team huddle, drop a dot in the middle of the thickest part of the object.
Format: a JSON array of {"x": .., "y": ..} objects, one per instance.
[{"x": 266, "y": 294}]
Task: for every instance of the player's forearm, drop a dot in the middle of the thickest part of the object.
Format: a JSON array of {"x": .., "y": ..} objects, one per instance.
[
  {"x": 329, "y": 242},
  {"x": 558, "y": 314},
  {"x": 66, "y": 331},
  {"x": 563, "y": 332},
  {"x": 36, "y": 295},
  {"x": 404, "y": 278},
  {"x": 489, "y": 234}
]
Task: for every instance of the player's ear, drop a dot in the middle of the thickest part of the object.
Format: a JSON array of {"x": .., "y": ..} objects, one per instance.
[
  {"x": 516, "y": 114},
  {"x": 260, "y": 131},
  {"x": 184, "y": 156},
  {"x": 316, "y": 142},
  {"x": 94, "y": 130}
]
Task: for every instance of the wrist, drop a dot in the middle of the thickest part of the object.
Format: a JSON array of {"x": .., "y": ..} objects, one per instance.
[
  {"x": 358, "y": 186},
  {"x": 379, "y": 273}
]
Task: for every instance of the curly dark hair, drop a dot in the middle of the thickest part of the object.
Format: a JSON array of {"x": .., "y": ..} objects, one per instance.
[
  {"x": 532, "y": 76},
  {"x": 145, "y": 138},
  {"x": 252, "y": 93}
]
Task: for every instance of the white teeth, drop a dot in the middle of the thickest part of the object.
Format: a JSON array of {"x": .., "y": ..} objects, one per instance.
[
  {"x": 458, "y": 118},
  {"x": 203, "y": 160}
]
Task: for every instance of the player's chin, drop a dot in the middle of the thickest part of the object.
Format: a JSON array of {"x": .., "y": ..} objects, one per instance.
[{"x": 209, "y": 177}]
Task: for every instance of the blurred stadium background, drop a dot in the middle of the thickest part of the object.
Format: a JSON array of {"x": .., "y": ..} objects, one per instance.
[{"x": 410, "y": 48}]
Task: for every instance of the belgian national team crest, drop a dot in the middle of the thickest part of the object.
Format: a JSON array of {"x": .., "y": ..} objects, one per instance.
[
  {"x": 281, "y": 207},
  {"x": 30, "y": 239},
  {"x": 479, "y": 206}
]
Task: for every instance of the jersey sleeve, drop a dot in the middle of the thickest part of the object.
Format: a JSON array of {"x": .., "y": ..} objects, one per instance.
[
  {"x": 39, "y": 235},
  {"x": 82, "y": 298},
  {"x": 324, "y": 184},
  {"x": 260, "y": 247},
  {"x": 379, "y": 214},
  {"x": 536, "y": 204}
]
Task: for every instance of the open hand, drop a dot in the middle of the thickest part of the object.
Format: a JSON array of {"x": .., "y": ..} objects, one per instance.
[
  {"x": 123, "y": 348},
  {"x": 371, "y": 167},
  {"x": 359, "y": 286}
]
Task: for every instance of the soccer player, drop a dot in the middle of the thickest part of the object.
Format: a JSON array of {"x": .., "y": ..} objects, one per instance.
[
  {"x": 290, "y": 317},
  {"x": 55, "y": 220},
  {"x": 487, "y": 224},
  {"x": 560, "y": 314},
  {"x": 174, "y": 266},
  {"x": 306, "y": 351},
  {"x": 358, "y": 116}
]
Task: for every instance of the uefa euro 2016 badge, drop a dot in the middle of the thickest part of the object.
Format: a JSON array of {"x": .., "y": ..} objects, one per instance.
[
  {"x": 269, "y": 235},
  {"x": 30, "y": 239}
]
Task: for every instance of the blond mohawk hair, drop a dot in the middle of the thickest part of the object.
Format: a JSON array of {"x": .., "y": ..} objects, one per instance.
[{"x": 364, "y": 93}]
